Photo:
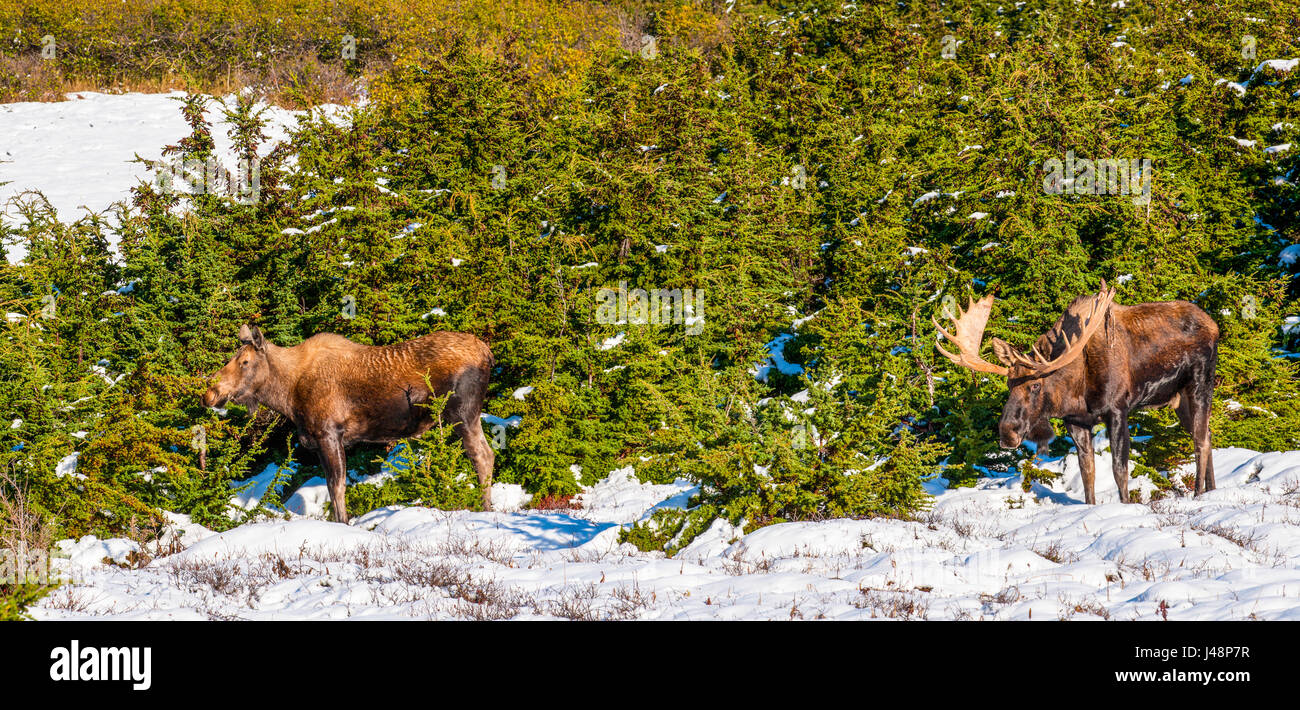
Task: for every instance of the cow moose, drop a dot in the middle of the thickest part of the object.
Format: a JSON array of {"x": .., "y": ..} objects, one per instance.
[
  {"x": 337, "y": 393},
  {"x": 1098, "y": 363}
]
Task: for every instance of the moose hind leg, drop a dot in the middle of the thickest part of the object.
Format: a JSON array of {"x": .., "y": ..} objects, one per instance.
[
  {"x": 463, "y": 409},
  {"x": 481, "y": 455},
  {"x": 1117, "y": 430},
  {"x": 335, "y": 462},
  {"x": 1194, "y": 414}
]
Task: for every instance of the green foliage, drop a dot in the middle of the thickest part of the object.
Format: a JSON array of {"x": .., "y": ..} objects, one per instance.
[
  {"x": 766, "y": 464},
  {"x": 819, "y": 181},
  {"x": 15, "y": 598},
  {"x": 272, "y": 500},
  {"x": 669, "y": 530},
  {"x": 1031, "y": 474},
  {"x": 656, "y": 533},
  {"x": 431, "y": 470}
]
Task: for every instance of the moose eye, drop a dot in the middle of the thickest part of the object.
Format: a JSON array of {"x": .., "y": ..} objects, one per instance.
[{"x": 1035, "y": 387}]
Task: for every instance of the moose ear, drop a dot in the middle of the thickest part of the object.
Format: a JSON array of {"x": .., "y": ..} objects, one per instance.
[
  {"x": 1004, "y": 351},
  {"x": 250, "y": 335}
]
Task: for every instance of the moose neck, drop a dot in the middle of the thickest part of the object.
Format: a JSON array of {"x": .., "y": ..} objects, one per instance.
[
  {"x": 282, "y": 376},
  {"x": 1072, "y": 397}
]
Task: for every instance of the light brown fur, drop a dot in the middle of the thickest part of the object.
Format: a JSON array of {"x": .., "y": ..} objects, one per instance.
[{"x": 337, "y": 393}]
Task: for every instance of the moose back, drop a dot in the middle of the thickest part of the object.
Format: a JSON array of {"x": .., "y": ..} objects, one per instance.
[{"x": 338, "y": 393}]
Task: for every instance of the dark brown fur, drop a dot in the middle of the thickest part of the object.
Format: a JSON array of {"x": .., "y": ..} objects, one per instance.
[
  {"x": 1146, "y": 355},
  {"x": 337, "y": 393}
]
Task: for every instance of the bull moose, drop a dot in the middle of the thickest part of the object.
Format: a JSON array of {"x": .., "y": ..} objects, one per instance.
[
  {"x": 337, "y": 393},
  {"x": 1098, "y": 363}
]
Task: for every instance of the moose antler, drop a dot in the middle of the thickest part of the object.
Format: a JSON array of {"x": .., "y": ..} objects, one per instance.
[
  {"x": 970, "y": 331},
  {"x": 1088, "y": 318}
]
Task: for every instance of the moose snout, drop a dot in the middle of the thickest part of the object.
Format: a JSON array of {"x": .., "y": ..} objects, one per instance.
[
  {"x": 1009, "y": 432},
  {"x": 213, "y": 398}
]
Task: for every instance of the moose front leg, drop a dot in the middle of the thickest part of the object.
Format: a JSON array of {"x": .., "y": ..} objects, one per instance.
[
  {"x": 334, "y": 460},
  {"x": 1117, "y": 431},
  {"x": 1082, "y": 436}
]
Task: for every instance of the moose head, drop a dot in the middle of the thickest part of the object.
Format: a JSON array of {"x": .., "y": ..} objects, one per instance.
[
  {"x": 1041, "y": 383},
  {"x": 245, "y": 375}
]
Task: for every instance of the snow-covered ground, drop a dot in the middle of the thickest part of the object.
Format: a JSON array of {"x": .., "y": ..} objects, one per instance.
[
  {"x": 989, "y": 552},
  {"x": 79, "y": 152}
]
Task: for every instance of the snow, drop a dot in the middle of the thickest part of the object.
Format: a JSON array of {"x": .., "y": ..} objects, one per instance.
[
  {"x": 621, "y": 497},
  {"x": 78, "y": 152},
  {"x": 68, "y": 467},
  {"x": 612, "y": 342},
  {"x": 1277, "y": 65},
  {"x": 494, "y": 421},
  {"x": 310, "y": 498},
  {"x": 90, "y": 551},
  {"x": 182, "y": 532},
  {"x": 1239, "y": 88},
  {"x": 776, "y": 359},
  {"x": 991, "y": 551},
  {"x": 284, "y": 538},
  {"x": 926, "y": 197},
  {"x": 509, "y": 497},
  {"x": 251, "y": 497}
]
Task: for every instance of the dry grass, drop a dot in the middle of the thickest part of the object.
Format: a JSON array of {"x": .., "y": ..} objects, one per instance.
[
  {"x": 1056, "y": 553},
  {"x": 903, "y": 606},
  {"x": 573, "y": 603},
  {"x": 26, "y": 537},
  {"x": 397, "y": 574},
  {"x": 295, "y": 56},
  {"x": 1084, "y": 606},
  {"x": 70, "y": 598},
  {"x": 1007, "y": 595},
  {"x": 296, "y": 83},
  {"x": 1244, "y": 540},
  {"x": 555, "y": 503},
  {"x": 590, "y": 603}
]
